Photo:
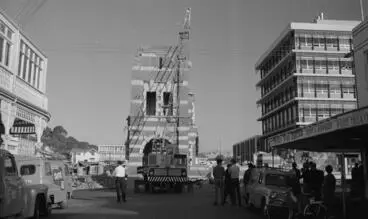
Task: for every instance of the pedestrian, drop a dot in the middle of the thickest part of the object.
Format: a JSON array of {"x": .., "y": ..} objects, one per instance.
[
  {"x": 235, "y": 183},
  {"x": 329, "y": 186},
  {"x": 228, "y": 186},
  {"x": 247, "y": 175},
  {"x": 316, "y": 181},
  {"x": 219, "y": 175},
  {"x": 120, "y": 181},
  {"x": 296, "y": 187}
]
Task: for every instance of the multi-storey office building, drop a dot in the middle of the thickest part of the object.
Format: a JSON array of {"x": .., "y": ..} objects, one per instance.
[
  {"x": 305, "y": 76},
  {"x": 24, "y": 112},
  {"x": 244, "y": 150}
]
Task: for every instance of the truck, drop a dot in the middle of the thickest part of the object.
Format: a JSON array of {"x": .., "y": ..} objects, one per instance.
[
  {"x": 17, "y": 199},
  {"x": 165, "y": 169}
]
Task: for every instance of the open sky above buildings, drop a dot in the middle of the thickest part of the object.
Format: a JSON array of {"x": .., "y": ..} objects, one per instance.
[{"x": 90, "y": 46}]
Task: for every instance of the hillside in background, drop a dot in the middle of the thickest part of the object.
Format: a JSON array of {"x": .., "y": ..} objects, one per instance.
[{"x": 57, "y": 139}]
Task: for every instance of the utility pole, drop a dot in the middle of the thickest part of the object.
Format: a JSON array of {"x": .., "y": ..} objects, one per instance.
[{"x": 178, "y": 98}]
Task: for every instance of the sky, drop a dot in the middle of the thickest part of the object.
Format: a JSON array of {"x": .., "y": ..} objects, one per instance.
[{"x": 90, "y": 45}]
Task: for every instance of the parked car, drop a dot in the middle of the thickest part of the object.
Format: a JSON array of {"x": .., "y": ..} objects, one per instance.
[
  {"x": 50, "y": 173},
  {"x": 17, "y": 199},
  {"x": 268, "y": 189}
]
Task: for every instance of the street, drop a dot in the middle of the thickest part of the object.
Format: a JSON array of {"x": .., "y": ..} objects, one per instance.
[{"x": 102, "y": 204}]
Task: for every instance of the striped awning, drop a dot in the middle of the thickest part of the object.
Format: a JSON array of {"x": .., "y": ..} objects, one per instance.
[{"x": 174, "y": 179}]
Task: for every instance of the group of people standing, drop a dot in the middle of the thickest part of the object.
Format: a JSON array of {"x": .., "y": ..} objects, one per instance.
[
  {"x": 315, "y": 184},
  {"x": 227, "y": 182}
]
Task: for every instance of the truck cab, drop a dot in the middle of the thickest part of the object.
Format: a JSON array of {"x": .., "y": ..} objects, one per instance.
[
  {"x": 51, "y": 173},
  {"x": 17, "y": 198}
]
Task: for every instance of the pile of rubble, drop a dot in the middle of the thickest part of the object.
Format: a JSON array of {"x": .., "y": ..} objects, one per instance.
[{"x": 81, "y": 183}]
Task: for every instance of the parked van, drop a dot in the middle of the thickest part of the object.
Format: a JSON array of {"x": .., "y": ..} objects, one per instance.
[{"x": 50, "y": 173}]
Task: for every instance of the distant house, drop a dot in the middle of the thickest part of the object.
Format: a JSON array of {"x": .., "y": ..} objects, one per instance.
[{"x": 80, "y": 155}]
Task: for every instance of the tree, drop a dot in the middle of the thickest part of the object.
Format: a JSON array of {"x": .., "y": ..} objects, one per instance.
[{"x": 59, "y": 141}]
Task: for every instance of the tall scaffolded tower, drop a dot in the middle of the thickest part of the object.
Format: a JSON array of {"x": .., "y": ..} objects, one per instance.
[{"x": 162, "y": 106}]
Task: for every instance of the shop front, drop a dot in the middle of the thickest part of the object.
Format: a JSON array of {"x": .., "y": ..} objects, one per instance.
[{"x": 343, "y": 134}]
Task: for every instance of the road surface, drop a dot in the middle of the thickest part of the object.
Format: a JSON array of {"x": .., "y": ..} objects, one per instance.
[{"x": 102, "y": 204}]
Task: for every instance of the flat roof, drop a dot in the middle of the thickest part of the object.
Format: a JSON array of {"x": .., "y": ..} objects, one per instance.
[{"x": 321, "y": 25}]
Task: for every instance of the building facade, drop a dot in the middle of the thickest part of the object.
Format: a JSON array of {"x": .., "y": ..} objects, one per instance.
[
  {"x": 80, "y": 155},
  {"x": 153, "y": 100},
  {"x": 306, "y": 76},
  {"x": 244, "y": 150},
  {"x": 23, "y": 100},
  {"x": 111, "y": 152}
]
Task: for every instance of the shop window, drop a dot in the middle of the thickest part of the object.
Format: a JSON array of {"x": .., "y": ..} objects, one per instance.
[{"x": 151, "y": 104}]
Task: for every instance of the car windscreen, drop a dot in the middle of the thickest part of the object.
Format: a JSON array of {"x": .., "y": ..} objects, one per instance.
[
  {"x": 26, "y": 170},
  {"x": 277, "y": 180}
]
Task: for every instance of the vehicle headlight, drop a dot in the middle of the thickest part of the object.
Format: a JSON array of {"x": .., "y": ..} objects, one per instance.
[{"x": 273, "y": 194}]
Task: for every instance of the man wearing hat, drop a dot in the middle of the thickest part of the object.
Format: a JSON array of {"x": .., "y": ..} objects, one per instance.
[{"x": 120, "y": 181}]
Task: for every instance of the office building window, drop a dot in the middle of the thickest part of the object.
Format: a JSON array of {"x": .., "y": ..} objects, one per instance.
[
  {"x": 319, "y": 42},
  {"x": 322, "y": 89},
  {"x": 335, "y": 89},
  {"x": 323, "y": 111},
  {"x": 308, "y": 88},
  {"x": 332, "y": 42},
  {"x": 348, "y": 91},
  {"x": 333, "y": 66},
  {"x": 344, "y": 43},
  {"x": 346, "y": 65},
  {"x": 306, "y": 64},
  {"x": 320, "y": 65}
]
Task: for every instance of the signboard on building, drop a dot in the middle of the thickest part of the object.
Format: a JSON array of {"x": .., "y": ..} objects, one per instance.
[{"x": 348, "y": 120}]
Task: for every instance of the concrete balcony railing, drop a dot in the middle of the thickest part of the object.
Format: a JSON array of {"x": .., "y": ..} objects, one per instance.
[{"x": 31, "y": 94}]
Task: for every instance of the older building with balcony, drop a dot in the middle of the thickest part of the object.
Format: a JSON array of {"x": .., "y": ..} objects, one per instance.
[
  {"x": 305, "y": 75},
  {"x": 23, "y": 101}
]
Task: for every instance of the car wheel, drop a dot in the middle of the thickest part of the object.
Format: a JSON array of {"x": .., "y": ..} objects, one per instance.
[{"x": 36, "y": 212}]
